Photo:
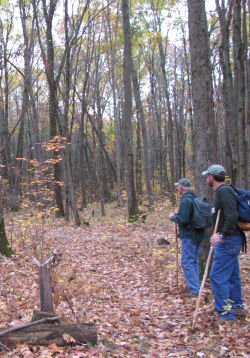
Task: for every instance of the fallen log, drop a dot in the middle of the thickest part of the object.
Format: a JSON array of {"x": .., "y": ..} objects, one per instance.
[
  {"x": 42, "y": 334},
  {"x": 32, "y": 323}
]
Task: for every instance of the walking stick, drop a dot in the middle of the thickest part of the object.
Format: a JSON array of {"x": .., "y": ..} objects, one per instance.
[
  {"x": 205, "y": 273},
  {"x": 177, "y": 263}
]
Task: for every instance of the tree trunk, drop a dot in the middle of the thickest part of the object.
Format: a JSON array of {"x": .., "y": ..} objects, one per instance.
[
  {"x": 82, "y": 161},
  {"x": 101, "y": 160},
  {"x": 205, "y": 138},
  {"x": 169, "y": 121},
  {"x": 127, "y": 113},
  {"x": 162, "y": 153},
  {"x": 138, "y": 164},
  {"x": 231, "y": 127},
  {"x": 239, "y": 91},
  {"x": 178, "y": 115},
  {"x": 4, "y": 105},
  {"x": 70, "y": 186},
  {"x": 246, "y": 29},
  {"x": 141, "y": 117},
  {"x": 48, "y": 60},
  {"x": 189, "y": 99},
  {"x": 113, "y": 45},
  {"x": 4, "y": 244},
  {"x": 28, "y": 98}
]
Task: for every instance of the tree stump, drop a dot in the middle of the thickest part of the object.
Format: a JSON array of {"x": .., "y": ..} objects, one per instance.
[
  {"x": 44, "y": 328},
  {"x": 44, "y": 272}
]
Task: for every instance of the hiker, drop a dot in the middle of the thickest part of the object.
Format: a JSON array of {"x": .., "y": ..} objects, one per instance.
[
  {"x": 225, "y": 273},
  {"x": 191, "y": 238}
]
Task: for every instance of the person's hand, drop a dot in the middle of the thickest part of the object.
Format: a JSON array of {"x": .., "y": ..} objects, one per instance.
[
  {"x": 171, "y": 215},
  {"x": 215, "y": 239}
]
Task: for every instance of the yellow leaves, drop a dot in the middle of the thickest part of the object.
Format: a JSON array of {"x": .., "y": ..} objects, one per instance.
[
  {"x": 159, "y": 253},
  {"x": 124, "y": 195},
  {"x": 120, "y": 227},
  {"x": 171, "y": 266},
  {"x": 40, "y": 215}
]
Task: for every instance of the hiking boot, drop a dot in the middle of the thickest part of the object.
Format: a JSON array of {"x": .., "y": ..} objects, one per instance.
[
  {"x": 239, "y": 313},
  {"x": 222, "y": 320}
]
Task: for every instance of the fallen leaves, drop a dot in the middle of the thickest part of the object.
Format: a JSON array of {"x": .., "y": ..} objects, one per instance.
[{"x": 117, "y": 276}]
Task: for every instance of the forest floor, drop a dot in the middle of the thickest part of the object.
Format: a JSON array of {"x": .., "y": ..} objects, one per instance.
[{"x": 116, "y": 275}]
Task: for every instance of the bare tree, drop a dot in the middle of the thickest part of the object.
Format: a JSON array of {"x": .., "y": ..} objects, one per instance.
[
  {"x": 141, "y": 117},
  {"x": 239, "y": 90},
  {"x": 127, "y": 112},
  {"x": 205, "y": 137}
]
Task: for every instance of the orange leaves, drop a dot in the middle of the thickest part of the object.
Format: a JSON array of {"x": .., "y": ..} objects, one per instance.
[
  {"x": 23, "y": 304},
  {"x": 56, "y": 144}
]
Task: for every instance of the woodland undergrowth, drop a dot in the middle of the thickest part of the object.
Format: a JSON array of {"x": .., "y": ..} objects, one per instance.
[{"x": 116, "y": 275}]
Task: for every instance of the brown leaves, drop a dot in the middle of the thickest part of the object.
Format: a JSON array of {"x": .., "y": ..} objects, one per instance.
[{"x": 116, "y": 275}]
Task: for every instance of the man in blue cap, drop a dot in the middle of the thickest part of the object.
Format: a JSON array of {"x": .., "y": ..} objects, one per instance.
[
  {"x": 191, "y": 238},
  {"x": 225, "y": 273}
]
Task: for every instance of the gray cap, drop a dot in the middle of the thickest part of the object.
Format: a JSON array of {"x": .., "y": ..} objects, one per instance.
[
  {"x": 185, "y": 183},
  {"x": 216, "y": 170}
]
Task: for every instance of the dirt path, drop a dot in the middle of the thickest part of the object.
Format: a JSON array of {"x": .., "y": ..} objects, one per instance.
[
  {"x": 118, "y": 276},
  {"x": 131, "y": 293}
]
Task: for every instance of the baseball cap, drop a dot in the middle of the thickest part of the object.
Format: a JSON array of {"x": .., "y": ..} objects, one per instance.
[
  {"x": 184, "y": 183},
  {"x": 216, "y": 170}
]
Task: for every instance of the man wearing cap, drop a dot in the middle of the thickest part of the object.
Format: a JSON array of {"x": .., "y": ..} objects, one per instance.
[
  {"x": 191, "y": 238},
  {"x": 225, "y": 273}
]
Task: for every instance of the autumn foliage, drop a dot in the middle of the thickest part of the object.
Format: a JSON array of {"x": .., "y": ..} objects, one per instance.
[{"x": 116, "y": 275}]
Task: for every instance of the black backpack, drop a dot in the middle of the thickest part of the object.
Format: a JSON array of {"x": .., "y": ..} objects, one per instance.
[{"x": 202, "y": 215}]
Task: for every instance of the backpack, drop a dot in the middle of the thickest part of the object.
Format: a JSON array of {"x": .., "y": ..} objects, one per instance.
[
  {"x": 243, "y": 197},
  {"x": 202, "y": 215}
]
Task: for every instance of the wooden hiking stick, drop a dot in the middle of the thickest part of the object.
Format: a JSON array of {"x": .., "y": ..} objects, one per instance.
[
  {"x": 206, "y": 271},
  {"x": 177, "y": 263}
]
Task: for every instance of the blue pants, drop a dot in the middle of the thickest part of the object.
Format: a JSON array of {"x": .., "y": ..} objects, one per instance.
[
  {"x": 190, "y": 251},
  {"x": 225, "y": 277}
]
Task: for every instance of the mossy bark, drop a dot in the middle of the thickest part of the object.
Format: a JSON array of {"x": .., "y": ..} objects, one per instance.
[{"x": 4, "y": 244}]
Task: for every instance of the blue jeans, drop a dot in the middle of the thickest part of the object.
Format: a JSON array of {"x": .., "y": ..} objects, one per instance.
[
  {"x": 225, "y": 277},
  {"x": 190, "y": 251}
]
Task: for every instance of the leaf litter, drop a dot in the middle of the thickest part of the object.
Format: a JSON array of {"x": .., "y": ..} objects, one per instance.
[{"x": 117, "y": 276}]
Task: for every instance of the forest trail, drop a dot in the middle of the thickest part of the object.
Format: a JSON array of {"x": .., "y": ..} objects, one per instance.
[{"x": 117, "y": 276}]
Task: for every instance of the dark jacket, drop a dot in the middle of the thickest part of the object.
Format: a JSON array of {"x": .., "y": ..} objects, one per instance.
[
  {"x": 184, "y": 219},
  {"x": 226, "y": 200}
]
